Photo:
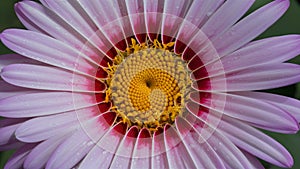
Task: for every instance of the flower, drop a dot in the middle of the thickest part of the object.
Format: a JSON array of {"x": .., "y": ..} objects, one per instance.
[{"x": 146, "y": 84}]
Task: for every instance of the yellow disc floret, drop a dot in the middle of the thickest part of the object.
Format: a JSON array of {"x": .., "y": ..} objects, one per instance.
[{"x": 148, "y": 88}]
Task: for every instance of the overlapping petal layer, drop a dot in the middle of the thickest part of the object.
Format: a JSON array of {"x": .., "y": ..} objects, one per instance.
[{"x": 54, "y": 91}]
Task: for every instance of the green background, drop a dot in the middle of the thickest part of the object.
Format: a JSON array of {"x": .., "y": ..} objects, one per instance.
[{"x": 288, "y": 24}]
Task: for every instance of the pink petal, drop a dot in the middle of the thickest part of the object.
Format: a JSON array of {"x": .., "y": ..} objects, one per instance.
[
  {"x": 177, "y": 154},
  {"x": 42, "y": 128},
  {"x": 159, "y": 156},
  {"x": 8, "y": 128},
  {"x": 29, "y": 24},
  {"x": 70, "y": 152},
  {"x": 201, "y": 10},
  {"x": 10, "y": 121},
  {"x": 136, "y": 16},
  {"x": 12, "y": 145},
  {"x": 18, "y": 158},
  {"x": 123, "y": 12},
  {"x": 174, "y": 11},
  {"x": 8, "y": 90},
  {"x": 250, "y": 27},
  {"x": 102, "y": 154},
  {"x": 254, "y": 161},
  {"x": 225, "y": 17},
  {"x": 105, "y": 15},
  {"x": 92, "y": 159},
  {"x": 153, "y": 16},
  {"x": 200, "y": 151},
  {"x": 187, "y": 34},
  {"x": 49, "y": 78},
  {"x": 256, "y": 112},
  {"x": 255, "y": 142},
  {"x": 50, "y": 23},
  {"x": 208, "y": 113},
  {"x": 265, "y": 51},
  {"x": 263, "y": 77},
  {"x": 40, "y": 47},
  {"x": 288, "y": 104},
  {"x": 41, "y": 153},
  {"x": 39, "y": 104},
  {"x": 271, "y": 50},
  {"x": 123, "y": 155},
  {"x": 74, "y": 15},
  {"x": 205, "y": 56},
  {"x": 14, "y": 58},
  {"x": 198, "y": 51},
  {"x": 254, "y": 78},
  {"x": 230, "y": 155},
  {"x": 141, "y": 155},
  {"x": 197, "y": 43}
]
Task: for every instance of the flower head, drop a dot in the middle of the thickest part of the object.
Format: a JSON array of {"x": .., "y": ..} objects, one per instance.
[{"x": 146, "y": 84}]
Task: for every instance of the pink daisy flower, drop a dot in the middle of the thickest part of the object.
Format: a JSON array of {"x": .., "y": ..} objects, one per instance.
[{"x": 146, "y": 84}]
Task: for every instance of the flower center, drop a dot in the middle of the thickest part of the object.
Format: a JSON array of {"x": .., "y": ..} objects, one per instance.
[{"x": 149, "y": 86}]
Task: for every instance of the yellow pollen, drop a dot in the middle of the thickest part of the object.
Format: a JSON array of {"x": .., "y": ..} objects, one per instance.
[{"x": 147, "y": 85}]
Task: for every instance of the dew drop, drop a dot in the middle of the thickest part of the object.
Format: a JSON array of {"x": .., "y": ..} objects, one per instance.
[
  {"x": 90, "y": 143},
  {"x": 209, "y": 14}
]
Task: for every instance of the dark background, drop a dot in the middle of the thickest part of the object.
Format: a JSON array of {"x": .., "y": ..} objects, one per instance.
[{"x": 288, "y": 24}]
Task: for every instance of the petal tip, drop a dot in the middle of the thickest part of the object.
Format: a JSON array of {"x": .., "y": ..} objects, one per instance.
[
  {"x": 16, "y": 5},
  {"x": 19, "y": 6},
  {"x": 289, "y": 163},
  {"x": 4, "y": 33},
  {"x": 296, "y": 128},
  {"x": 285, "y": 3}
]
